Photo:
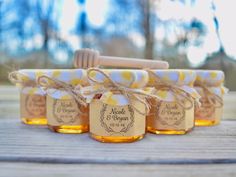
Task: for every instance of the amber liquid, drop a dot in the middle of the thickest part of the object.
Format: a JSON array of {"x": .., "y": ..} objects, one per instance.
[
  {"x": 116, "y": 139},
  {"x": 152, "y": 118},
  {"x": 74, "y": 129},
  {"x": 167, "y": 132},
  {"x": 33, "y": 109},
  {"x": 207, "y": 114},
  {"x": 199, "y": 122},
  {"x": 34, "y": 121},
  {"x": 69, "y": 129}
]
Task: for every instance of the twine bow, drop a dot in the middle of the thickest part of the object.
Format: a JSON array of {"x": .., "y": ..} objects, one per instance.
[
  {"x": 129, "y": 93},
  {"x": 49, "y": 82},
  {"x": 212, "y": 98},
  {"x": 181, "y": 96},
  {"x": 15, "y": 78}
]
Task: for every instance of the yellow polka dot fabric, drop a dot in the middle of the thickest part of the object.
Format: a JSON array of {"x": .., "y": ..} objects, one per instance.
[
  {"x": 59, "y": 94},
  {"x": 181, "y": 79},
  {"x": 125, "y": 77},
  {"x": 31, "y": 75},
  {"x": 212, "y": 79},
  {"x": 131, "y": 79},
  {"x": 33, "y": 91},
  {"x": 69, "y": 76},
  {"x": 174, "y": 76},
  {"x": 72, "y": 77}
]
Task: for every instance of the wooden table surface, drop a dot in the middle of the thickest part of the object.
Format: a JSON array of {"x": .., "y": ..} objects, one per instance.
[{"x": 35, "y": 151}]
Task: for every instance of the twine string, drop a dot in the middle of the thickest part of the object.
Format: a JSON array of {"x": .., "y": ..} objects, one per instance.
[
  {"x": 211, "y": 97},
  {"x": 50, "y": 83},
  {"x": 181, "y": 96},
  {"x": 129, "y": 93}
]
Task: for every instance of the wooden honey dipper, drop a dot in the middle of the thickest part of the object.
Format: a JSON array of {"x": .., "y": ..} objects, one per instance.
[{"x": 86, "y": 58}]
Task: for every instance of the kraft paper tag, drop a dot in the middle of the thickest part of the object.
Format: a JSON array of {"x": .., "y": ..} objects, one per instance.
[
  {"x": 110, "y": 120},
  {"x": 32, "y": 106},
  {"x": 170, "y": 116},
  {"x": 207, "y": 111},
  {"x": 65, "y": 112}
]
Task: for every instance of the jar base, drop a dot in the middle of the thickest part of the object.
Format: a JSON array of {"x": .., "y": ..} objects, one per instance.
[
  {"x": 34, "y": 121},
  {"x": 69, "y": 129},
  {"x": 116, "y": 139},
  {"x": 167, "y": 132},
  {"x": 200, "y": 122}
]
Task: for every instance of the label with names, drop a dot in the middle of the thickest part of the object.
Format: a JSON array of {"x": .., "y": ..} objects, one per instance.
[
  {"x": 170, "y": 113},
  {"x": 33, "y": 106},
  {"x": 110, "y": 120},
  {"x": 117, "y": 119},
  {"x": 65, "y": 111},
  {"x": 206, "y": 110}
]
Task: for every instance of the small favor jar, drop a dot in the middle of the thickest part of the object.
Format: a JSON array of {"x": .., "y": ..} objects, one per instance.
[
  {"x": 172, "y": 111},
  {"x": 209, "y": 84},
  {"x": 32, "y": 97},
  {"x": 118, "y": 105},
  {"x": 67, "y": 110}
]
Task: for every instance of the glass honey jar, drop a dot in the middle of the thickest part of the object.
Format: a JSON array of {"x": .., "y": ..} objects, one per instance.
[
  {"x": 117, "y": 108},
  {"x": 209, "y": 84},
  {"x": 67, "y": 111},
  {"x": 32, "y": 97},
  {"x": 172, "y": 111}
]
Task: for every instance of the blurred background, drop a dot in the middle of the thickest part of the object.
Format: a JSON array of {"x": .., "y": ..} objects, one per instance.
[{"x": 186, "y": 33}]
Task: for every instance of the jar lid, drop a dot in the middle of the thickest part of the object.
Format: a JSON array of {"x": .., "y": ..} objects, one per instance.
[
  {"x": 174, "y": 76},
  {"x": 59, "y": 94},
  {"x": 70, "y": 76},
  {"x": 210, "y": 77},
  {"x": 30, "y": 74},
  {"x": 33, "y": 91},
  {"x": 125, "y": 77}
]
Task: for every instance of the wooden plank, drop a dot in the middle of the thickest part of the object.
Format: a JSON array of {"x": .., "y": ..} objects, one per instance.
[
  {"x": 205, "y": 145},
  {"x": 9, "y": 93},
  {"x": 9, "y": 102},
  {"x": 229, "y": 106},
  {"x": 88, "y": 170}
]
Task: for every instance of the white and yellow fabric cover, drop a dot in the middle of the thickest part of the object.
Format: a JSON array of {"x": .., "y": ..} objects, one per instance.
[
  {"x": 77, "y": 78},
  {"x": 182, "y": 79},
  {"x": 73, "y": 77},
  {"x": 130, "y": 79},
  {"x": 213, "y": 80},
  {"x": 25, "y": 76}
]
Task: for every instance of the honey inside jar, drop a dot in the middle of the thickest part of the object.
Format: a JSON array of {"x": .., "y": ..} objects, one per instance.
[
  {"x": 209, "y": 84},
  {"x": 65, "y": 115},
  {"x": 118, "y": 127},
  {"x": 113, "y": 117},
  {"x": 33, "y": 106},
  {"x": 172, "y": 112},
  {"x": 32, "y": 97},
  {"x": 66, "y": 111}
]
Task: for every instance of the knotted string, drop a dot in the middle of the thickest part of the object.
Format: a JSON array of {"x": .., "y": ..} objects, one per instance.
[
  {"x": 181, "y": 96},
  {"x": 15, "y": 78},
  {"x": 129, "y": 93},
  {"x": 50, "y": 83},
  {"x": 211, "y": 97}
]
